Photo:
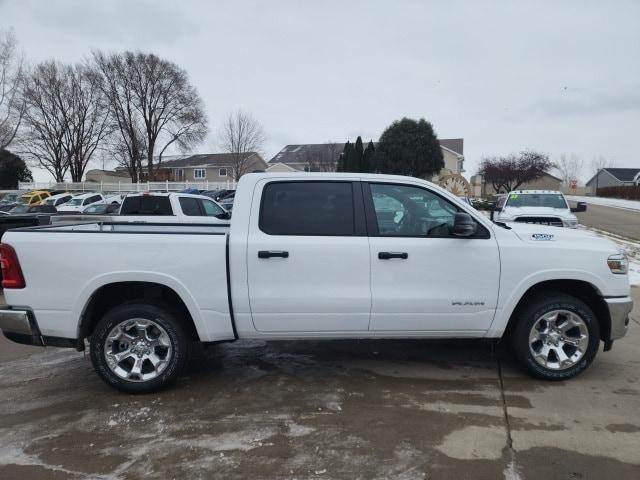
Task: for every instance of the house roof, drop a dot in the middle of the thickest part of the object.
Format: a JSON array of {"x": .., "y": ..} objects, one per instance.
[
  {"x": 300, "y": 153},
  {"x": 620, "y": 174},
  {"x": 204, "y": 160},
  {"x": 112, "y": 173}
]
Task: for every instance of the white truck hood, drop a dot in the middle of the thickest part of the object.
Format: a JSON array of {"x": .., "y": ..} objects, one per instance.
[
  {"x": 537, "y": 234},
  {"x": 512, "y": 212}
]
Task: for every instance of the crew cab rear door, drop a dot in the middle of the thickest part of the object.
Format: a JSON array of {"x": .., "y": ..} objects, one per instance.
[
  {"x": 423, "y": 278},
  {"x": 308, "y": 257}
]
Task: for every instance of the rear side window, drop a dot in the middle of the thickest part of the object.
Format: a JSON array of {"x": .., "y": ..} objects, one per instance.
[
  {"x": 146, "y": 205},
  {"x": 307, "y": 208},
  {"x": 190, "y": 206}
]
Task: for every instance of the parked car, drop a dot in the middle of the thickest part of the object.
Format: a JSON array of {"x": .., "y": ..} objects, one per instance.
[
  {"x": 101, "y": 209},
  {"x": 58, "y": 199},
  {"x": 35, "y": 197},
  {"x": 172, "y": 208},
  {"x": 218, "y": 195},
  {"x": 80, "y": 202},
  {"x": 227, "y": 202},
  {"x": 10, "y": 196},
  {"x": 305, "y": 257},
  {"x": 22, "y": 209},
  {"x": 545, "y": 207}
]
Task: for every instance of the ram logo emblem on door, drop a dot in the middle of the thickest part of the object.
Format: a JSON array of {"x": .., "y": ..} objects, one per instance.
[
  {"x": 544, "y": 237},
  {"x": 469, "y": 303}
]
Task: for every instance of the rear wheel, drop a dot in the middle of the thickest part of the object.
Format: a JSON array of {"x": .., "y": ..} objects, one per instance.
[
  {"x": 139, "y": 348},
  {"x": 556, "y": 337}
]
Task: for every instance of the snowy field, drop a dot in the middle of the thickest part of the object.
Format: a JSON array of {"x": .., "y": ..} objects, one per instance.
[
  {"x": 608, "y": 202},
  {"x": 630, "y": 247}
]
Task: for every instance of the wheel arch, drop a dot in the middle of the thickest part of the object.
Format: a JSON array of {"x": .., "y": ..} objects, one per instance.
[
  {"x": 108, "y": 294},
  {"x": 580, "y": 289}
]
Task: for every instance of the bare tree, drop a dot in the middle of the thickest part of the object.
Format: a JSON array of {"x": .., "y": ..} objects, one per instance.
[
  {"x": 600, "y": 162},
  {"x": 151, "y": 98},
  {"x": 65, "y": 118},
  {"x": 509, "y": 172},
  {"x": 241, "y": 135},
  {"x": 570, "y": 168},
  {"x": 322, "y": 158},
  {"x": 11, "y": 101},
  {"x": 128, "y": 144},
  {"x": 86, "y": 118},
  {"x": 43, "y": 131}
]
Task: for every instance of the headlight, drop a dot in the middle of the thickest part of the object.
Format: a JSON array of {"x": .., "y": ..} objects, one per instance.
[
  {"x": 570, "y": 223},
  {"x": 618, "y": 263}
]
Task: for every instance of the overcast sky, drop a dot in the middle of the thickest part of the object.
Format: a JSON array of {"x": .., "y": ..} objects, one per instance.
[{"x": 560, "y": 77}]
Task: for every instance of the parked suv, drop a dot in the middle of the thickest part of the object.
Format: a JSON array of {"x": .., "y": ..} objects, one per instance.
[{"x": 544, "y": 207}]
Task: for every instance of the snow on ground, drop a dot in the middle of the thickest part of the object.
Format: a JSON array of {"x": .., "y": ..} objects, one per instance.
[
  {"x": 630, "y": 247},
  {"x": 608, "y": 202}
]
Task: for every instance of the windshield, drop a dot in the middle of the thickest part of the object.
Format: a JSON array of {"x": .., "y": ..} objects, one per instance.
[
  {"x": 75, "y": 201},
  {"x": 549, "y": 200}
]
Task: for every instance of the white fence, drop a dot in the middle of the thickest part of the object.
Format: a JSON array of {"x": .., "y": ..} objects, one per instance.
[{"x": 125, "y": 186}]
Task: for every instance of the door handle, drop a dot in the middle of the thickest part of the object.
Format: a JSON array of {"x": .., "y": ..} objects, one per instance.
[
  {"x": 389, "y": 255},
  {"x": 272, "y": 253}
]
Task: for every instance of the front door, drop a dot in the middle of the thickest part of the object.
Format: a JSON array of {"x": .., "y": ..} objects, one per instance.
[
  {"x": 423, "y": 278},
  {"x": 308, "y": 258}
]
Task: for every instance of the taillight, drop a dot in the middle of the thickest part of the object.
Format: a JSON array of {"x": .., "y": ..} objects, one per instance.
[{"x": 11, "y": 271}]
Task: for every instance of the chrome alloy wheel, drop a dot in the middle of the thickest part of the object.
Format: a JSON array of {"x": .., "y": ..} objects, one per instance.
[
  {"x": 558, "y": 339},
  {"x": 138, "y": 350}
]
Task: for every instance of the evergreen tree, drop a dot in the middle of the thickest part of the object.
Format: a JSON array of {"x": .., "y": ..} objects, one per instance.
[
  {"x": 358, "y": 156},
  {"x": 368, "y": 159},
  {"x": 410, "y": 147},
  {"x": 346, "y": 159},
  {"x": 12, "y": 170}
]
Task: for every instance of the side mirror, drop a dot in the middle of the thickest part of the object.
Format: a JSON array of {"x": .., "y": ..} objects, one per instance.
[
  {"x": 581, "y": 207},
  {"x": 464, "y": 225},
  {"x": 224, "y": 216}
]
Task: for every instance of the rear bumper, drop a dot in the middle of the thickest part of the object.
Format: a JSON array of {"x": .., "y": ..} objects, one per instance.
[
  {"x": 19, "y": 325},
  {"x": 619, "y": 310}
]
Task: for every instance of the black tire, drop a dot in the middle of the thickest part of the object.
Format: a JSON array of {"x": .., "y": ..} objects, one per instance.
[
  {"x": 526, "y": 318},
  {"x": 179, "y": 340}
]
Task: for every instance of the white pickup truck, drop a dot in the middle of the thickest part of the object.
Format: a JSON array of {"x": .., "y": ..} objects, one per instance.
[{"x": 311, "y": 256}]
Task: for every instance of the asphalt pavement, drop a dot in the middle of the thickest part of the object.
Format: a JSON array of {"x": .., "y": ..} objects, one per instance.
[{"x": 619, "y": 221}]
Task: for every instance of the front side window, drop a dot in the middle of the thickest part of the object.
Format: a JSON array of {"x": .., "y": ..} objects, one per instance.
[
  {"x": 307, "y": 208},
  {"x": 403, "y": 210},
  {"x": 190, "y": 206},
  {"x": 199, "y": 173},
  {"x": 222, "y": 172}
]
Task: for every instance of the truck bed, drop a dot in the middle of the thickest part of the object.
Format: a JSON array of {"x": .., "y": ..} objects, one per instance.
[{"x": 82, "y": 257}]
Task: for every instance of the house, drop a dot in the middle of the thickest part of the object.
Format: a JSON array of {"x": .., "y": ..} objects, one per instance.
[
  {"x": 546, "y": 182},
  {"x": 107, "y": 176},
  {"x": 613, "y": 177},
  {"x": 210, "y": 167},
  {"x": 323, "y": 157}
]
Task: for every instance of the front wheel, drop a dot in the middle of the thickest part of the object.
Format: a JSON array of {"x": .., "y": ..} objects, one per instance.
[
  {"x": 139, "y": 348},
  {"x": 557, "y": 336}
]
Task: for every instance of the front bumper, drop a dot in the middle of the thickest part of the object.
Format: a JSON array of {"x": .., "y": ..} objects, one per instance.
[
  {"x": 619, "y": 309},
  {"x": 20, "y": 325}
]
